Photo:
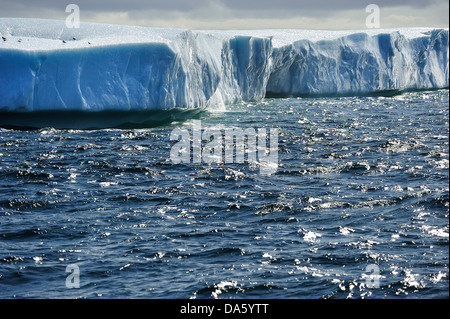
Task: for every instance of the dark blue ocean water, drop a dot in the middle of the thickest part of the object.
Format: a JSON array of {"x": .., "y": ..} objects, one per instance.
[{"x": 358, "y": 207}]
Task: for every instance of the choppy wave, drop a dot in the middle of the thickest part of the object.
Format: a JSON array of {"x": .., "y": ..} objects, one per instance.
[{"x": 358, "y": 186}]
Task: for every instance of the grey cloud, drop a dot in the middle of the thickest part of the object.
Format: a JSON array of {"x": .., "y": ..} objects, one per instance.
[
  {"x": 321, "y": 13},
  {"x": 325, "y": 5},
  {"x": 235, "y": 5},
  {"x": 188, "y": 5},
  {"x": 111, "y": 5}
]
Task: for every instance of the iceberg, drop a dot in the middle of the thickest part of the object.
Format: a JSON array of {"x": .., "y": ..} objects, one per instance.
[
  {"x": 45, "y": 66},
  {"x": 362, "y": 63}
]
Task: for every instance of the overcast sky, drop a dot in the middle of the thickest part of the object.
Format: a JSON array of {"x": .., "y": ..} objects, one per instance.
[{"x": 239, "y": 14}]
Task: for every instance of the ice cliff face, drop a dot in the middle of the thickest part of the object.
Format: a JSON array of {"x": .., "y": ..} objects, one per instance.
[
  {"x": 361, "y": 63},
  {"x": 45, "y": 66}
]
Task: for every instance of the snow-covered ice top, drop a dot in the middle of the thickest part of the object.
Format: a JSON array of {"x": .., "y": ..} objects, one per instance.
[
  {"x": 46, "y": 66},
  {"x": 44, "y": 35}
]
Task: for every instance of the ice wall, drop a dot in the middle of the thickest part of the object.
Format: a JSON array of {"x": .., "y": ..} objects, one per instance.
[
  {"x": 46, "y": 66},
  {"x": 361, "y": 63}
]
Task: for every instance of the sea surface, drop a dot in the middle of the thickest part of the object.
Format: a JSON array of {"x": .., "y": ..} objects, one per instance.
[{"x": 357, "y": 208}]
